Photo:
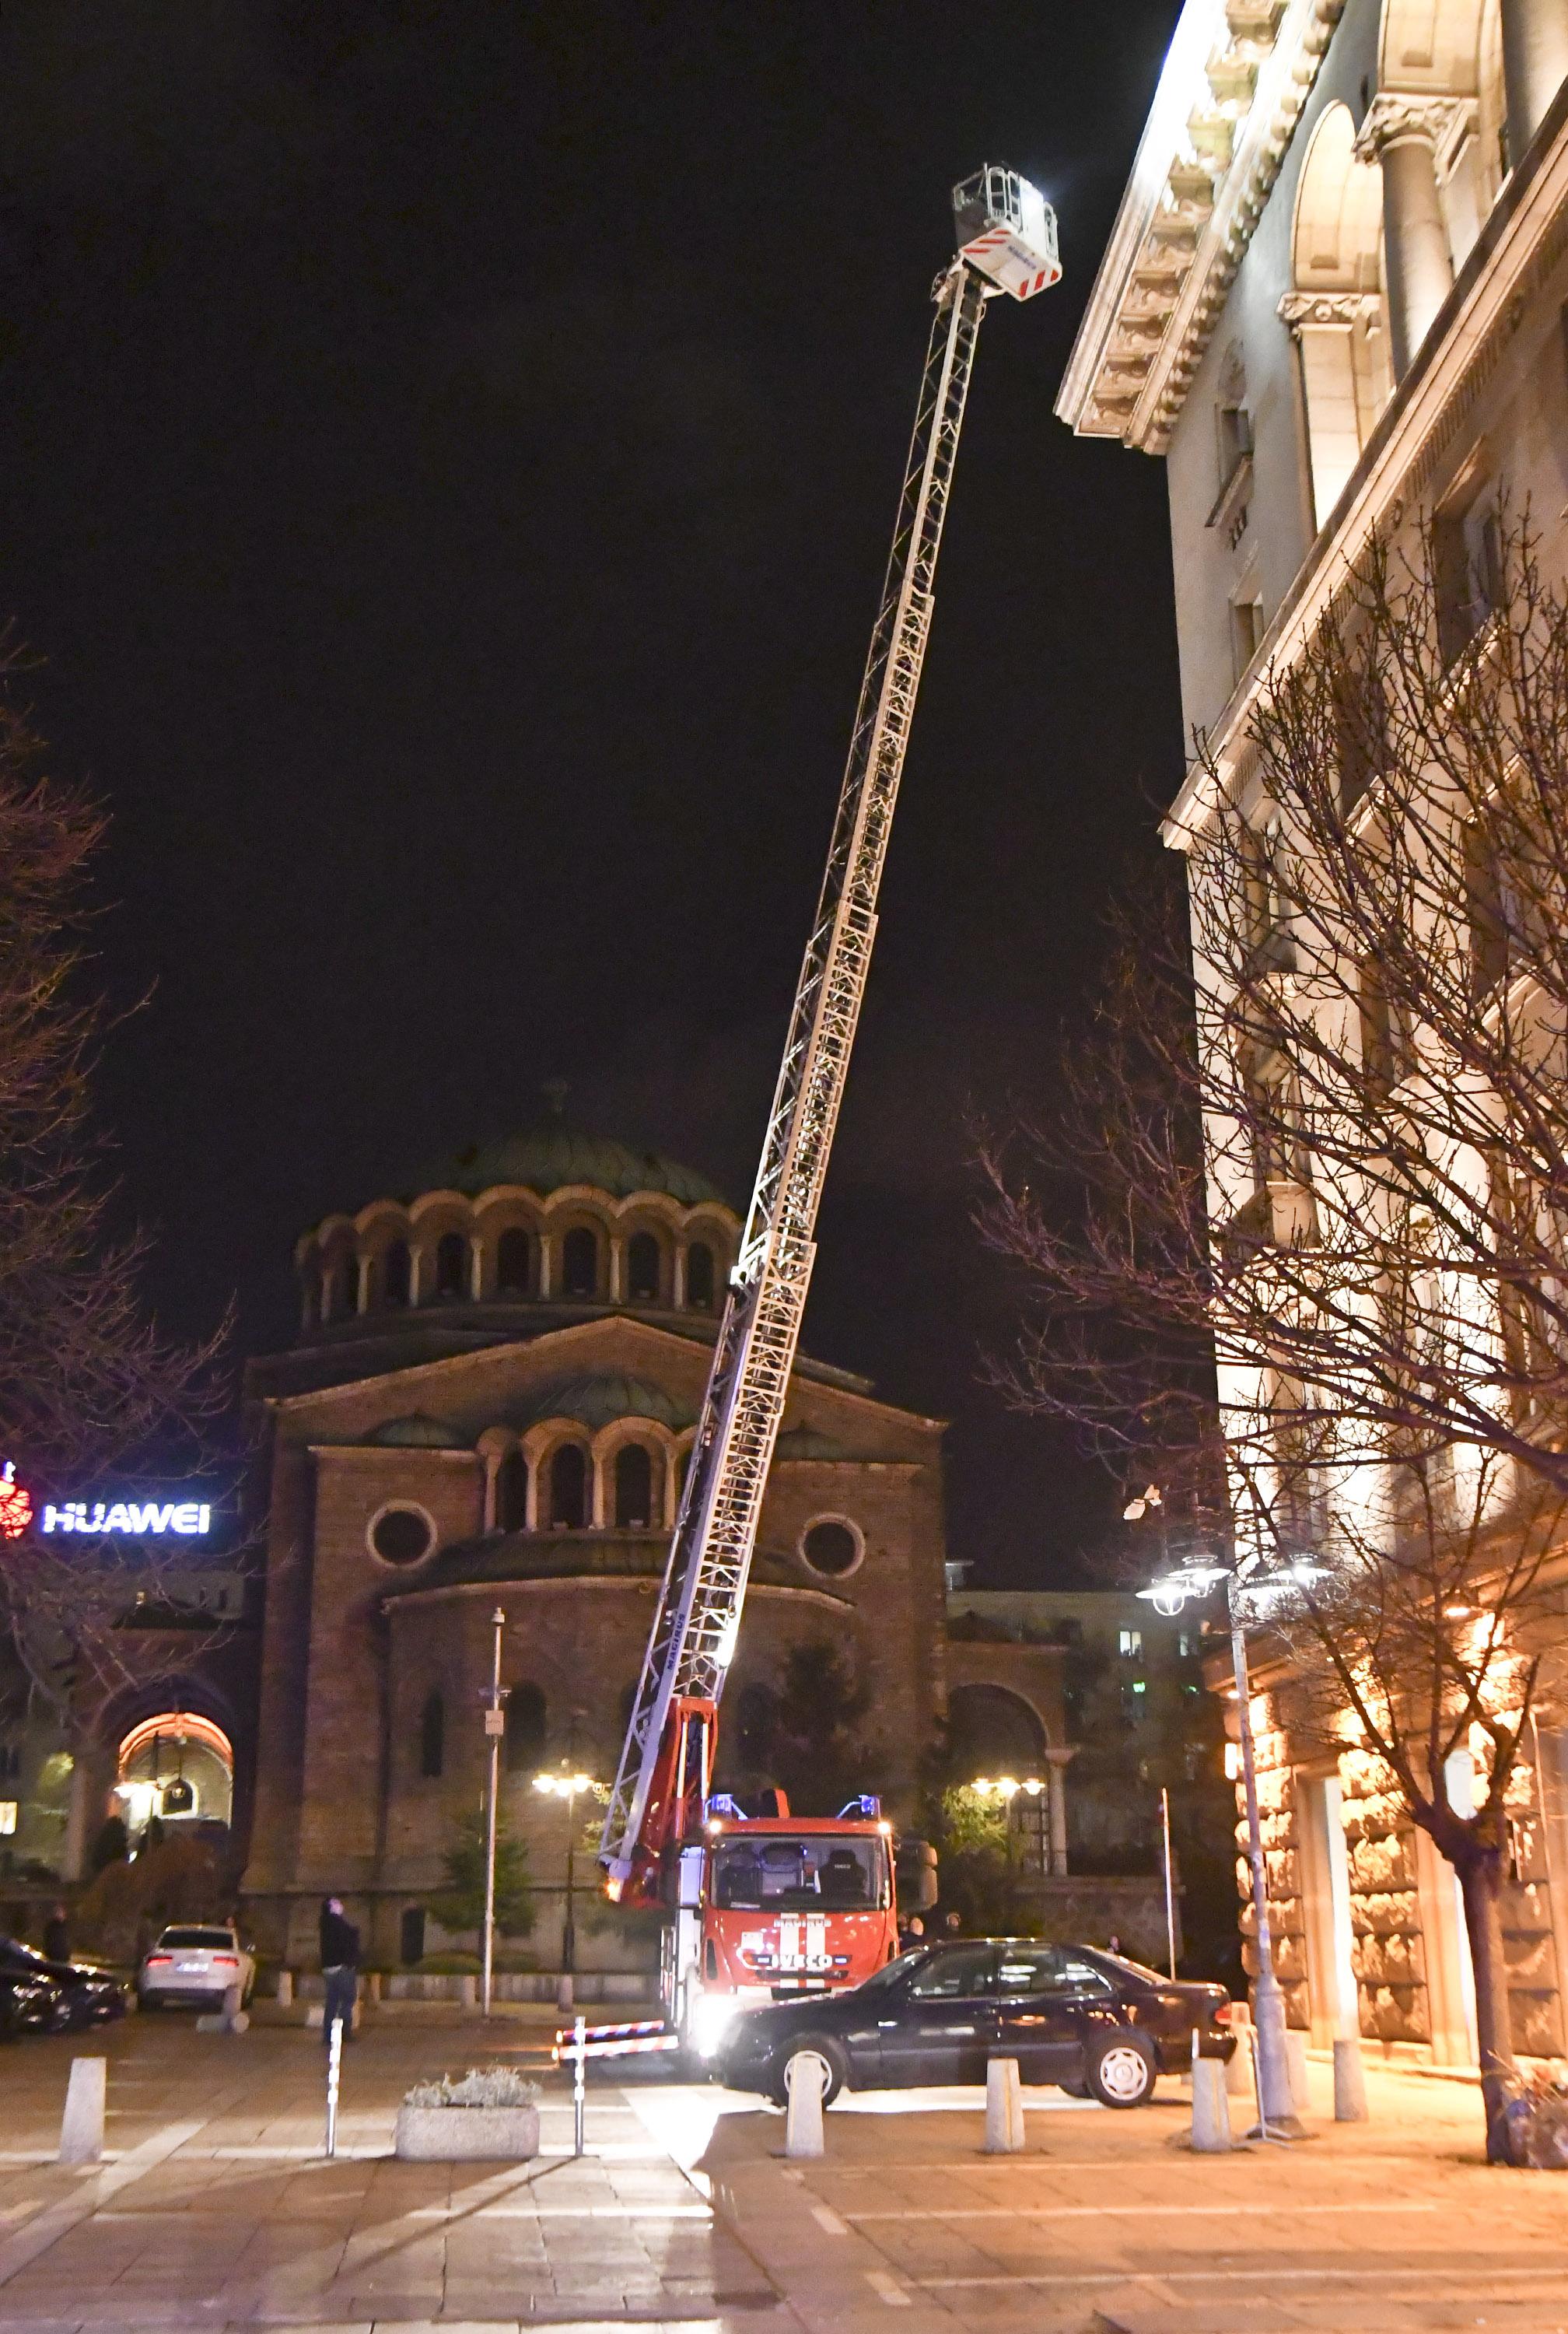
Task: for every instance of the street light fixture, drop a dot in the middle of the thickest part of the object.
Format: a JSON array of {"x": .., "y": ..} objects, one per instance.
[
  {"x": 1276, "y": 2113},
  {"x": 570, "y": 1787}
]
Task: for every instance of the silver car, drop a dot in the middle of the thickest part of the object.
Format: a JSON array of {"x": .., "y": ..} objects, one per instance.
[{"x": 196, "y": 1965}]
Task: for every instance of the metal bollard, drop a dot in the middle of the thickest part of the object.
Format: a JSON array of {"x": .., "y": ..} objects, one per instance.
[
  {"x": 1004, "y": 2109},
  {"x": 81, "y": 2124},
  {"x": 334, "y": 2068},
  {"x": 1210, "y": 2106},
  {"x": 805, "y": 2079},
  {"x": 579, "y": 2085},
  {"x": 1350, "y": 2082},
  {"x": 285, "y": 1989}
]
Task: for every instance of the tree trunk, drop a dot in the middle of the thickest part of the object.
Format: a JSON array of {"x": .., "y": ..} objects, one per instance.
[{"x": 1500, "y": 2084}]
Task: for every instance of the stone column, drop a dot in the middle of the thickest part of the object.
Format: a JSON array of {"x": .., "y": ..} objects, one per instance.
[
  {"x": 1535, "y": 65},
  {"x": 616, "y": 1268},
  {"x": 1402, "y": 134},
  {"x": 1056, "y": 1781},
  {"x": 1323, "y": 327},
  {"x": 547, "y": 1264}
]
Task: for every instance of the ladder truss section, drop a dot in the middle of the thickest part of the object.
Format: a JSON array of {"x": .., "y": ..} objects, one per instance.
[{"x": 693, "y": 1638}]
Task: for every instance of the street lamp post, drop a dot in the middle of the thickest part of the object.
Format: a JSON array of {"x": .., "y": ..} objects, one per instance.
[
  {"x": 1276, "y": 2113},
  {"x": 494, "y": 1726},
  {"x": 568, "y": 1788}
]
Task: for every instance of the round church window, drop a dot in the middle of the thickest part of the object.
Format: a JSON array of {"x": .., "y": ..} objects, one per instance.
[
  {"x": 831, "y": 1546},
  {"x": 402, "y": 1535}
]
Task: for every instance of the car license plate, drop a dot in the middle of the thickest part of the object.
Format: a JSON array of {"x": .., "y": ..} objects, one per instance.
[{"x": 191, "y": 1969}]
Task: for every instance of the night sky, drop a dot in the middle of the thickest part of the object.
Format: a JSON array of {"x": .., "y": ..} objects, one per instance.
[{"x": 449, "y": 456}]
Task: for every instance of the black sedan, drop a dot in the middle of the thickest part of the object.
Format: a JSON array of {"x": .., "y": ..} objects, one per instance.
[
  {"x": 30, "y": 2004},
  {"x": 84, "y": 1995},
  {"x": 1091, "y": 2022}
]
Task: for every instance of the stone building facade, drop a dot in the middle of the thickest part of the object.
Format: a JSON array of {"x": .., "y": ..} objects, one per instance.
[
  {"x": 489, "y": 1408},
  {"x": 1333, "y": 303}
]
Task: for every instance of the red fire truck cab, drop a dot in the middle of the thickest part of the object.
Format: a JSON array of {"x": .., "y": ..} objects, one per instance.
[{"x": 769, "y": 1907}]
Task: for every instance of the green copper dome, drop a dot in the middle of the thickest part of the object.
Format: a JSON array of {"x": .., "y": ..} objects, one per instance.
[
  {"x": 594, "y": 1401},
  {"x": 552, "y": 1154},
  {"x": 418, "y": 1432}
]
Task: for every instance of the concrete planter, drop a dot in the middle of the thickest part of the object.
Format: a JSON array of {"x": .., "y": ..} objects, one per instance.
[{"x": 467, "y": 2134}]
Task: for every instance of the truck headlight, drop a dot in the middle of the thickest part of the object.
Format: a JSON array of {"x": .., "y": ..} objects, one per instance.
[{"x": 711, "y": 2020}]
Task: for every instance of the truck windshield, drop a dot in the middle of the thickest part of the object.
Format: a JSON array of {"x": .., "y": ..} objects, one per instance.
[{"x": 817, "y": 1873}]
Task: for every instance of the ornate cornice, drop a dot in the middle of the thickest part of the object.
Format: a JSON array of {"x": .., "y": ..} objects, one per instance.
[
  {"x": 1235, "y": 81},
  {"x": 1299, "y": 308},
  {"x": 1394, "y": 114}
]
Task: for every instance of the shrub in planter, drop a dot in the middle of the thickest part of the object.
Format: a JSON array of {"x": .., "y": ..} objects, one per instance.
[{"x": 490, "y": 2115}]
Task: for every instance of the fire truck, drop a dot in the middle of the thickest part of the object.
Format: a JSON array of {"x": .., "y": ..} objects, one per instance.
[{"x": 762, "y": 1906}]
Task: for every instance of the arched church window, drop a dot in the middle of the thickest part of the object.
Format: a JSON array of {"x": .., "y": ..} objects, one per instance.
[
  {"x": 433, "y": 1734},
  {"x": 395, "y": 1274},
  {"x": 451, "y": 1265},
  {"x": 527, "y": 1728},
  {"x": 512, "y": 1263},
  {"x": 642, "y": 1262},
  {"x": 512, "y": 1493},
  {"x": 580, "y": 1263},
  {"x": 700, "y": 1276},
  {"x": 633, "y": 1487},
  {"x": 569, "y": 1488}
]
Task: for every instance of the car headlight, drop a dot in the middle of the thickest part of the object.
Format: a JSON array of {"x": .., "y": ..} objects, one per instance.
[{"x": 711, "y": 2019}]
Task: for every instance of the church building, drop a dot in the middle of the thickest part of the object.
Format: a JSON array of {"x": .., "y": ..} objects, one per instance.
[{"x": 489, "y": 1409}]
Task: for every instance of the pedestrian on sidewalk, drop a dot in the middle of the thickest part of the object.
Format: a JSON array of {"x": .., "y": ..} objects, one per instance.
[
  {"x": 339, "y": 1967},
  {"x": 912, "y": 1935},
  {"x": 57, "y": 1937}
]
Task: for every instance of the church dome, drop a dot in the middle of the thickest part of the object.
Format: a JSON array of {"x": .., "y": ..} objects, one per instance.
[
  {"x": 552, "y": 1154},
  {"x": 595, "y": 1401},
  {"x": 418, "y": 1432}
]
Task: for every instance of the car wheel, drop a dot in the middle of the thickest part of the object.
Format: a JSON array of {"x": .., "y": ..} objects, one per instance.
[
  {"x": 1121, "y": 2071},
  {"x": 820, "y": 2047}
]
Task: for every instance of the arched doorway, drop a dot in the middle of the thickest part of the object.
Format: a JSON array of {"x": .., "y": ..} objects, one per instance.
[
  {"x": 177, "y": 1766},
  {"x": 992, "y": 1732}
]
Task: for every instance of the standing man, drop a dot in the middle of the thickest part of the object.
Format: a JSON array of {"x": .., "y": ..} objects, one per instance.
[
  {"x": 339, "y": 1967},
  {"x": 57, "y": 1937}
]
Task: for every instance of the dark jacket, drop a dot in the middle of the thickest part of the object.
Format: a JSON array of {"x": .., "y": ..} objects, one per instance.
[
  {"x": 56, "y": 1942},
  {"x": 340, "y": 1943}
]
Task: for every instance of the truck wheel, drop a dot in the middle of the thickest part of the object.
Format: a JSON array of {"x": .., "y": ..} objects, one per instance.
[
  {"x": 1121, "y": 2071},
  {"x": 807, "y": 2045}
]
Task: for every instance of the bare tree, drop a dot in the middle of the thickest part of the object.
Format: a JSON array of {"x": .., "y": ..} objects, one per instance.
[
  {"x": 86, "y": 1381},
  {"x": 1295, "y": 1233}
]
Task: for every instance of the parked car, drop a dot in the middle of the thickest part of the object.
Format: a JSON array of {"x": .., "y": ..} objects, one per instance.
[
  {"x": 1089, "y": 2021},
  {"x": 29, "y": 2002},
  {"x": 84, "y": 1995},
  {"x": 196, "y": 1965}
]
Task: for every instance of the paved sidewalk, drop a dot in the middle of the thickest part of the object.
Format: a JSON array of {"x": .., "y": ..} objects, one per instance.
[{"x": 217, "y": 2211}]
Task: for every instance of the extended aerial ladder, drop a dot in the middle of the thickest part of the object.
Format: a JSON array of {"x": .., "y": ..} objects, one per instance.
[{"x": 1007, "y": 242}]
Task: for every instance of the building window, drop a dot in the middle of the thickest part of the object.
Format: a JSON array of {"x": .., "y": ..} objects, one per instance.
[
  {"x": 513, "y": 1277},
  {"x": 1468, "y": 548},
  {"x": 1188, "y": 1642},
  {"x": 9, "y": 1810},
  {"x": 569, "y": 1488},
  {"x": 1129, "y": 1644},
  {"x": 402, "y": 1535},
  {"x": 411, "y": 1936},
  {"x": 451, "y": 1265},
  {"x": 512, "y": 1493},
  {"x": 580, "y": 1263},
  {"x": 633, "y": 1487},
  {"x": 432, "y": 1735},
  {"x": 527, "y": 1728},
  {"x": 832, "y": 1546},
  {"x": 642, "y": 1268},
  {"x": 395, "y": 1274},
  {"x": 1246, "y": 628},
  {"x": 700, "y": 1276}
]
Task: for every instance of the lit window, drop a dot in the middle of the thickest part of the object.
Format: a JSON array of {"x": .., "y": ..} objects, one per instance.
[
  {"x": 1139, "y": 1685},
  {"x": 8, "y": 1812},
  {"x": 1130, "y": 1644},
  {"x": 1188, "y": 1642}
]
